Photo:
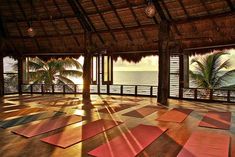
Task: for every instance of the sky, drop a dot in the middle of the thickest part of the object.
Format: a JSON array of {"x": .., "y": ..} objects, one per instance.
[{"x": 146, "y": 64}]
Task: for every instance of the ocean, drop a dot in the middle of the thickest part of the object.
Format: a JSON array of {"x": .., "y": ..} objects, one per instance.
[{"x": 135, "y": 77}]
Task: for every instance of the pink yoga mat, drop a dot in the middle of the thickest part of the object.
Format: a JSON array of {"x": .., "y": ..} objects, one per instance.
[
  {"x": 217, "y": 120},
  {"x": 46, "y": 126},
  {"x": 72, "y": 136},
  {"x": 175, "y": 115},
  {"x": 130, "y": 143},
  {"x": 206, "y": 144}
]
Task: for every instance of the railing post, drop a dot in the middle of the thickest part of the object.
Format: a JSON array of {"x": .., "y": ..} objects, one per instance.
[
  {"x": 195, "y": 93},
  {"x": 151, "y": 91},
  {"x": 121, "y": 88},
  {"x": 108, "y": 89},
  {"x": 42, "y": 89},
  {"x": 228, "y": 96},
  {"x": 63, "y": 89},
  {"x": 75, "y": 88},
  {"x": 31, "y": 89},
  {"x": 136, "y": 90},
  {"x": 53, "y": 88},
  {"x": 211, "y": 94}
]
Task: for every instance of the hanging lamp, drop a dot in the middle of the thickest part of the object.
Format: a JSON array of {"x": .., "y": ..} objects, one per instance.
[
  {"x": 150, "y": 9},
  {"x": 30, "y": 31}
]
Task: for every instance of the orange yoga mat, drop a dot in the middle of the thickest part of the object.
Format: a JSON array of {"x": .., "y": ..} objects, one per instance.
[
  {"x": 177, "y": 115},
  {"x": 129, "y": 144},
  {"x": 217, "y": 120},
  {"x": 206, "y": 144},
  {"x": 47, "y": 126},
  {"x": 142, "y": 112},
  {"x": 72, "y": 136}
]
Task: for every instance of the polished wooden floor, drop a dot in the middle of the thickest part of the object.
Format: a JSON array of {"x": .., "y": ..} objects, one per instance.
[{"x": 168, "y": 145}]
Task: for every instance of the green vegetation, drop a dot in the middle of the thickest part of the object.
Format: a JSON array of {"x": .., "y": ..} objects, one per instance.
[
  {"x": 54, "y": 71},
  {"x": 211, "y": 71}
]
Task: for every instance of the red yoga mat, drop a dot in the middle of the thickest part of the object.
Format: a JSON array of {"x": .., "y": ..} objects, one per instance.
[
  {"x": 206, "y": 144},
  {"x": 47, "y": 126},
  {"x": 130, "y": 143},
  {"x": 175, "y": 115},
  {"x": 70, "y": 137},
  {"x": 217, "y": 120}
]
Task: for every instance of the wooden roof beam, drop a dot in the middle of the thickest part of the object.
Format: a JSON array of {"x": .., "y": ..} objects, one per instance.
[
  {"x": 26, "y": 19},
  {"x": 136, "y": 19},
  {"x": 54, "y": 25},
  {"x": 41, "y": 24},
  {"x": 83, "y": 18},
  {"x": 170, "y": 17},
  {"x": 230, "y": 4},
  {"x": 120, "y": 20},
  {"x": 66, "y": 22},
  {"x": 187, "y": 14},
  {"x": 104, "y": 21}
]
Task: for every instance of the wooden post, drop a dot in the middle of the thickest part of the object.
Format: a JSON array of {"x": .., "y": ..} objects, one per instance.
[
  {"x": 20, "y": 74},
  {"x": 183, "y": 74},
  {"x": 164, "y": 63},
  {"x": 87, "y": 69},
  {"x": 1, "y": 77}
]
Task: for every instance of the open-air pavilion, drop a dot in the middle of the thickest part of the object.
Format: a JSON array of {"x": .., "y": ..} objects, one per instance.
[{"x": 101, "y": 118}]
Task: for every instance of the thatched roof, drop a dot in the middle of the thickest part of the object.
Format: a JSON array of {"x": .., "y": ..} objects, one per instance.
[{"x": 118, "y": 26}]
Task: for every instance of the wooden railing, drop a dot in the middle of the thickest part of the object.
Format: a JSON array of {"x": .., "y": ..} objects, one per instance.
[{"x": 135, "y": 90}]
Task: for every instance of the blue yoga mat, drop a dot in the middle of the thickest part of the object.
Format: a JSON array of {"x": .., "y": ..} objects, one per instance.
[{"x": 27, "y": 119}]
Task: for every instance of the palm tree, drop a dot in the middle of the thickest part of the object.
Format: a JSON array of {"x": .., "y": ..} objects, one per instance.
[
  {"x": 211, "y": 71},
  {"x": 54, "y": 71}
]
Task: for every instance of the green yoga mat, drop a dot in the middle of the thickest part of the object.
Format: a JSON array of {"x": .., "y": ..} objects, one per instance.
[{"x": 27, "y": 119}]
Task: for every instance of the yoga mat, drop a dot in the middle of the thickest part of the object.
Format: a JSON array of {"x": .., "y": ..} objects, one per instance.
[
  {"x": 27, "y": 119},
  {"x": 114, "y": 109},
  {"x": 47, "y": 126},
  {"x": 129, "y": 144},
  {"x": 206, "y": 144},
  {"x": 4, "y": 109},
  {"x": 217, "y": 120},
  {"x": 142, "y": 112},
  {"x": 175, "y": 115},
  {"x": 20, "y": 112},
  {"x": 72, "y": 136}
]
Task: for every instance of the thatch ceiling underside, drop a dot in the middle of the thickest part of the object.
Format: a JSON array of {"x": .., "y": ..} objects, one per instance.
[{"x": 116, "y": 25}]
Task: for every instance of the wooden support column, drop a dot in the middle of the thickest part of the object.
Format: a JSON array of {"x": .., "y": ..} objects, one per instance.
[
  {"x": 20, "y": 74},
  {"x": 1, "y": 77},
  {"x": 164, "y": 63},
  {"x": 183, "y": 73},
  {"x": 87, "y": 69}
]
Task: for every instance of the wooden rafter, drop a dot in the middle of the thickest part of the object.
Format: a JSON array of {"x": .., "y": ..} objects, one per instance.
[
  {"x": 170, "y": 17},
  {"x": 187, "y": 14},
  {"x": 83, "y": 18},
  {"x": 136, "y": 19},
  {"x": 104, "y": 21},
  {"x": 41, "y": 24},
  {"x": 230, "y": 4},
  {"x": 120, "y": 20},
  {"x": 16, "y": 22},
  {"x": 54, "y": 25},
  {"x": 27, "y": 20},
  {"x": 66, "y": 22}
]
